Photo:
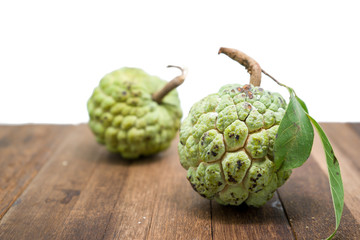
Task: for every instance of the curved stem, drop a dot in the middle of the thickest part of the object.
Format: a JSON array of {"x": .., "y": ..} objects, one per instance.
[
  {"x": 250, "y": 64},
  {"x": 177, "y": 81}
]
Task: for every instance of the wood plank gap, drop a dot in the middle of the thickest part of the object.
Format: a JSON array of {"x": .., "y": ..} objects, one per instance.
[
  {"x": 16, "y": 197},
  {"x": 286, "y": 214},
  {"x": 307, "y": 199},
  {"x": 49, "y": 198},
  {"x": 211, "y": 217},
  {"x": 150, "y": 224},
  {"x": 92, "y": 199},
  {"x": 114, "y": 205},
  {"x": 178, "y": 211},
  {"x": 346, "y": 147},
  {"x": 31, "y": 162},
  {"x": 266, "y": 222}
]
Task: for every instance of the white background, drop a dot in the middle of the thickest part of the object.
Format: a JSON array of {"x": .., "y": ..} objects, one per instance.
[{"x": 53, "y": 53}]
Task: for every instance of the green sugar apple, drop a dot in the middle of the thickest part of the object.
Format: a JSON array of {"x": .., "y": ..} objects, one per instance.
[
  {"x": 227, "y": 143},
  {"x": 125, "y": 117}
]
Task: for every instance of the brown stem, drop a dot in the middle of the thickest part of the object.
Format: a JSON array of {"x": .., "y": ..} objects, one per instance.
[
  {"x": 250, "y": 64},
  {"x": 159, "y": 95}
]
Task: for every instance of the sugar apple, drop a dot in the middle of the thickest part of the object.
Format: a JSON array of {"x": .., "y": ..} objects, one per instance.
[
  {"x": 226, "y": 143},
  {"x": 133, "y": 113}
]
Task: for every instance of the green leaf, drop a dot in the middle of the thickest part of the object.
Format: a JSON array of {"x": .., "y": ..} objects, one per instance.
[
  {"x": 295, "y": 117},
  {"x": 303, "y": 105},
  {"x": 295, "y": 136},
  {"x": 336, "y": 185}
]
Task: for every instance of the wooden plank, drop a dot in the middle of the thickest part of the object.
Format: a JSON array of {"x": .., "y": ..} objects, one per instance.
[
  {"x": 45, "y": 204},
  {"x": 266, "y": 222},
  {"x": 355, "y": 127},
  {"x": 90, "y": 216},
  {"x": 83, "y": 192},
  {"x": 308, "y": 204},
  {"x": 346, "y": 144},
  {"x": 179, "y": 212},
  {"x": 138, "y": 206},
  {"x": 5, "y": 130},
  {"x": 23, "y": 151},
  {"x": 346, "y": 139}
]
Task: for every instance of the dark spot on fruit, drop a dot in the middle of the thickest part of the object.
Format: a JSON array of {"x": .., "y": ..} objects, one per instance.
[
  {"x": 208, "y": 153},
  {"x": 204, "y": 137},
  {"x": 231, "y": 179},
  {"x": 239, "y": 163},
  {"x": 248, "y": 106},
  {"x": 124, "y": 93},
  {"x": 219, "y": 183},
  {"x": 214, "y": 153},
  {"x": 237, "y": 137},
  {"x": 231, "y": 135},
  {"x": 216, "y": 147},
  {"x": 232, "y": 194},
  {"x": 247, "y": 87},
  {"x": 259, "y": 175}
]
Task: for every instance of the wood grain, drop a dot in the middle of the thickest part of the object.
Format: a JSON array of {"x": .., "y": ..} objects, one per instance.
[
  {"x": 48, "y": 199},
  {"x": 307, "y": 200},
  {"x": 179, "y": 212},
  {"x": 243, "y": 222},
  {"x": 92, "y": 212},
  {"x": 355, "y": 127},
  {"x": 24, "y": 150},
  {"x": 345, "y": 142},
  {"x": 56, "y": 182}
]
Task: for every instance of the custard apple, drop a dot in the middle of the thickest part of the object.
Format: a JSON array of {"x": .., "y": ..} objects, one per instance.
[
  {"x": 227, "y": 143},
  {"x": 125, "y": 117}
]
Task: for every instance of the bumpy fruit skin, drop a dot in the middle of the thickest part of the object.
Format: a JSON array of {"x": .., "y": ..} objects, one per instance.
[
  {"x": 124, "y": 117},
  {"x": 226, "y": 144}
]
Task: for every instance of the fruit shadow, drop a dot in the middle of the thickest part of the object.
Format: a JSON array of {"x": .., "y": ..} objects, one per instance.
[
  {"x": 117, "y": 159},
  {"x": 270, "y": 213}
]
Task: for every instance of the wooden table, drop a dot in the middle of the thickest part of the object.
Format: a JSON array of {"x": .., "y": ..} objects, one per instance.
[{"x": 56, "y": 182}]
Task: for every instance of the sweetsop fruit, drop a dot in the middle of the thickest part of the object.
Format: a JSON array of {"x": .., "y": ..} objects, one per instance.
[
  {"x": 227, "y": 145},
  {"x": 125, "y": 117}
]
